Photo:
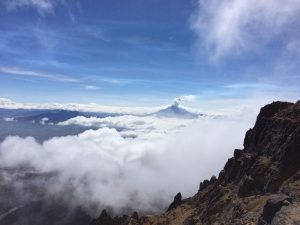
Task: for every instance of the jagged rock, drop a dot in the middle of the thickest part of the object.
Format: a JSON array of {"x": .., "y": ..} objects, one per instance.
[
  {"x": 203, "y": 184},
  {"x": 276, "y": 134},
  {"x": 271, "y": 152},
  {"x": 273, "y": 205},
  {"x": 237, "y": 153},
  {"x": 177, "y": 202},
  {"x": 104, "y": 219},
  {"x": 213, "y": 179},
  {"x": 135, "y": 216}
]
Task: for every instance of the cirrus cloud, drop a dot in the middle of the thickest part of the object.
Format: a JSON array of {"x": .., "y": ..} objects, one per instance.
[
  {"x": 91, "y": 87},
  {"x": 235, "y": 26},
  {"x": 42, "y": 6},
  {"x": 17, "y": 71}
]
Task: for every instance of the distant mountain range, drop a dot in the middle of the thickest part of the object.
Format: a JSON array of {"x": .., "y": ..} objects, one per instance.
[
  {"x": 46, "y": 116},
  {"x": 54, "y": 116}
]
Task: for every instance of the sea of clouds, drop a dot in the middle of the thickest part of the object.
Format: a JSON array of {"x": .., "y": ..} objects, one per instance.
[{"x": 139, "y": 167}]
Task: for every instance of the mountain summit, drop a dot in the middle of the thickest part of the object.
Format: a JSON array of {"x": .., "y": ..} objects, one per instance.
[{"x": 177, "y": 111}]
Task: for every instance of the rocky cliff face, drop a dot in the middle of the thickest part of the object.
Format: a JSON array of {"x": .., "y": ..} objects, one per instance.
[{"x": 260, "y": 184}]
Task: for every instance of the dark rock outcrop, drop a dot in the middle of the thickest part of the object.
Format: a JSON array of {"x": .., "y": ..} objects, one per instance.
[
  {"x": 177, "y": 202},
  {"x": 106, "y": 219},
  {"x": 271, "y": 153},
  {"x": 135, "y": 216}
]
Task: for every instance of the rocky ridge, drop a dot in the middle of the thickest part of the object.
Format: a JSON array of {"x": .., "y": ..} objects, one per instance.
[{"x": 259, "y": 185}]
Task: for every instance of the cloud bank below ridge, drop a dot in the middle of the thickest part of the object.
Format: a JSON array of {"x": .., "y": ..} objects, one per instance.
[{"x": 142, "y": 173}]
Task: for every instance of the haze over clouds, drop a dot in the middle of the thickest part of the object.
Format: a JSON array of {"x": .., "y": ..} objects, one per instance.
[{"x": 90, "y": 107}]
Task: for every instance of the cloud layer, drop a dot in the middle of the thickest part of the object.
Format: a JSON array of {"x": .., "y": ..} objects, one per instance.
[
  {"x": 134, "y": 126},
  {"x": 109, "y": 170}
]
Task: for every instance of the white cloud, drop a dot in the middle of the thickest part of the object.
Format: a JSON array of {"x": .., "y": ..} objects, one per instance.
[
  {"x": 91, "y": 87},
  {"x": 141, "y": 173},
  {"x": 9, "y": 119},
  {"x": 234, "y": 26},
  {"x": 44, "y": 120},
  {"x": 257, "y": 86},
  {"x": 6, "y": 101},
  {"x": 184, "y": 98},
  {"x": 42, "y": 6},
  {"x": 24, "y": 72},
  {"x": 134, "y": 126}
]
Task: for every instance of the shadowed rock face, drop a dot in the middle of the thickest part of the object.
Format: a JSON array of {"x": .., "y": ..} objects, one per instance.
[
  {"x": 260, "y": 184},
  {"x": 271, "y": 153}
]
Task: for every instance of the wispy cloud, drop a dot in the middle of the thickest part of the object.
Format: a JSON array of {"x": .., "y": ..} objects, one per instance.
[
  {"x": 234, "y": 26},
  {"x": 24, "y": 72},
  {"x": 251, "y": 85},
  {"x": 184, "y": 98},
  {"x": 111, "y": 80},
  {"x": 42, "y": 6},
  {"x": 91, "y": 87}
]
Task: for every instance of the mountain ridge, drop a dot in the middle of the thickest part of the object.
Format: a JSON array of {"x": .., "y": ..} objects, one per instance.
[{"x": 259, "y": 185}]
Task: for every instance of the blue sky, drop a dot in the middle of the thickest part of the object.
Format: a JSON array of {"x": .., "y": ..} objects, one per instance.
[{"x": 146, "y": 52}]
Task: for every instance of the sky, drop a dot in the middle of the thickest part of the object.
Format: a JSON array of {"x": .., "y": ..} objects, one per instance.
[{"x": 146, "y": 53}]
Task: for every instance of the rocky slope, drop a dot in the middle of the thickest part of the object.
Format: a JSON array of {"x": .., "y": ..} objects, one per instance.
[{"x": 260, "y": 184}]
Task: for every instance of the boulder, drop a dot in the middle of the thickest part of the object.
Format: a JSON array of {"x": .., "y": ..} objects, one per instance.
[{"x": 273, "y": 205}]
